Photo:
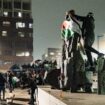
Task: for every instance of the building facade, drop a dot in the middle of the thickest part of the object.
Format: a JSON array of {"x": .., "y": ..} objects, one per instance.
[
  {"x": 53, "y": 54},
  {"x": 16, "y": 31}
]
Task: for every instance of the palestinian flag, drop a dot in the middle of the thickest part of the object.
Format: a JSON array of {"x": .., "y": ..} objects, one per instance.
[{"x": 66, "y": 32}]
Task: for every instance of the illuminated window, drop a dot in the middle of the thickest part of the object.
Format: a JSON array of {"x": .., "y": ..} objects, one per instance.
[
  {"x": 19, "y": 53},
  {"x": 6, "y": 23},
  {"x": 23, "y": 53},
  {"x": 46, "y": 55},
  {"x": 59, "y": 53},
  {"x": 20, "y": 25},
  {"x": 51, "y": 53},
  {"x": 4, "y": 33},
  {"x": 30, "y": 25},
  {"x": 27, "y": 53},
  {"x": 5, "y": 13},
  {"x": 19, "y": 14},
  {"x": 21, "y": 34}
]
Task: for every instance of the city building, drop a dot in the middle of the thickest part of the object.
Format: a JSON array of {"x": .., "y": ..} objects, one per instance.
[
  {"x": 52, "y": 54},
  {"x": 16, "y": 31}
]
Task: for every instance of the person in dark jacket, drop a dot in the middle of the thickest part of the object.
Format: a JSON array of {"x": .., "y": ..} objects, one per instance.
[
  {"x": 2, "y": 85},
  {"x": 33, "y": 88},
  {"x": 88, "y": 35},
  {"x": 10, "y": 82}
]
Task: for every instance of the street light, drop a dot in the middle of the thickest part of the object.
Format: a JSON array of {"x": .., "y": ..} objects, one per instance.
[{"x": 98, "y": 38}]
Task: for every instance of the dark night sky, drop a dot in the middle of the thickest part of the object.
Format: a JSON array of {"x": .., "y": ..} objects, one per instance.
[{"x": 49, "y": 14}]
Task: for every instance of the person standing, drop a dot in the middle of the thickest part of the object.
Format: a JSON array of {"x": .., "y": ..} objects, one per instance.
[
  {"x": 67, "y": 39},
  {"x": 9, "y": 79},
  {"x": 2, "y": 85},
  {"x": 33, "y": 88},
  {"x": 88, "y": 35},
  {"x": 71, "y": 34}
]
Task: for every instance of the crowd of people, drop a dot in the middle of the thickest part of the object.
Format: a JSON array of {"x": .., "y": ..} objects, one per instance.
[{"x": 27, "y": 76}]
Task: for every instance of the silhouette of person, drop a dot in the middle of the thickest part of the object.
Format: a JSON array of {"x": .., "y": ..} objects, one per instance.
[
  {"x": 70, "y": 35},
  {"x": 33, "y": 87},
  {"x": 67, "y": 39},
  {"x": 2, "y": 85},
  {"x": 88, "y": 35}
]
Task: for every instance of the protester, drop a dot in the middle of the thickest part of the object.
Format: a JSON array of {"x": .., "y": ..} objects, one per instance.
[
  {"x": 9, "y": 80},
  {"x": 33, "y": 88},
  {"x": 71, "y": 33},
  {"x": 2, "y": 85},
  {"x": 88, "y": 35}
]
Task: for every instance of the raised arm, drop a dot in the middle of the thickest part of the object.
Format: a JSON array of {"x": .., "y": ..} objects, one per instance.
[{"x": 79, "y": 18}]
